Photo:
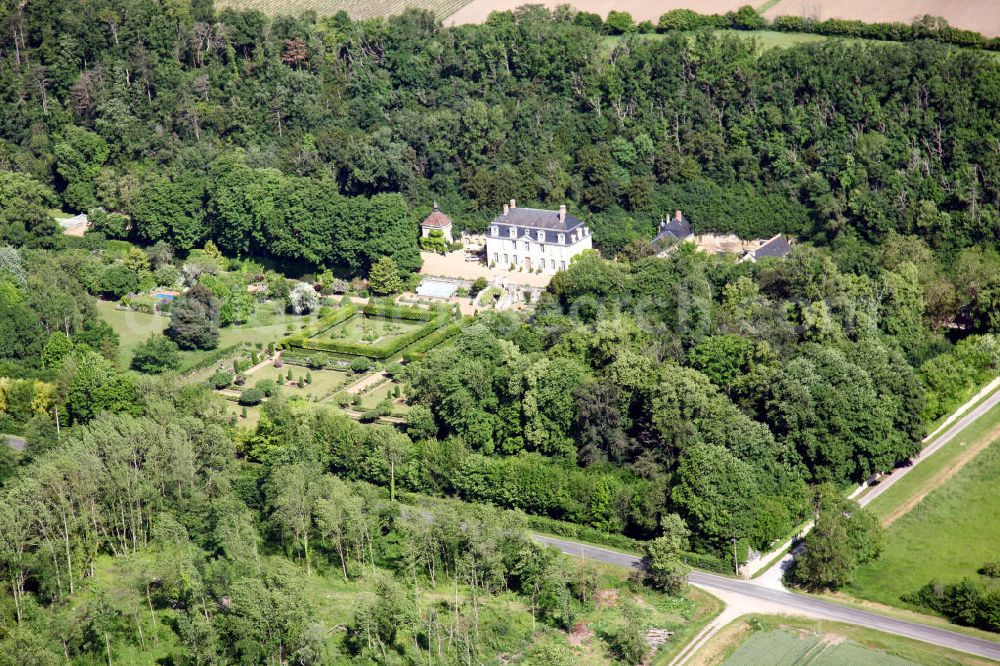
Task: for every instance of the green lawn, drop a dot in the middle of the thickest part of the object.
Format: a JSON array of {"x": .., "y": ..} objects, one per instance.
[
  {"x": 325, "y": 382},
  {"x": 268, "y": 324},
  {"x": 784, "y": 641},
  {"x": 370, "y": 330},
  {"x": 948, "y": 536},
  {"x": 371, "y": 399}
]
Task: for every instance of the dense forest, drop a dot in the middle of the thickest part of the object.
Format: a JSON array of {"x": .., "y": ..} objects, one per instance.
[{"x": 706, "y": 405}]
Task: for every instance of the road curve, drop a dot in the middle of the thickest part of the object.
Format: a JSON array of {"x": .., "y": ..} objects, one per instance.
[{"x": 796, "y": 602}]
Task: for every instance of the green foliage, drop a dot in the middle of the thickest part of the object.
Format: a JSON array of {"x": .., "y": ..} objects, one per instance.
[
  {"x": 57, "y": 348},
  {"x": 251, "y": 396},
  {"x": 117, "y": 280},
  {"x": 383, "y": 279},
  {"x": 194, "y": 320},
  {"x": 24, "y": 217},
  {"x": 221, "y": 379},
  {"x": 844, "y": 537},
  {"x": 155, "y": 355}
]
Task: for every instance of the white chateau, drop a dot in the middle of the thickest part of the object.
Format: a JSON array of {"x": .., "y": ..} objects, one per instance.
[{"x": 535, "y": 239}]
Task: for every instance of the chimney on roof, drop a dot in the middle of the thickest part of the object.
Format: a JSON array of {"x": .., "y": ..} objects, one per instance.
[
  {"x": 513, "y": 203},
  {"x": 562, "y": 213},
  {"x": 677, "y": 215},
  {"x": 506, "y": 209}
]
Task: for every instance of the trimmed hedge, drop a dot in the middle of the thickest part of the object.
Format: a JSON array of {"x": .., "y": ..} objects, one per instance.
[
  {"x": 561, "y": 528},
  {"x": 423, "y": 346},
  {"x": 324, "y": 324},
  {"x": 305, "y": 339}
]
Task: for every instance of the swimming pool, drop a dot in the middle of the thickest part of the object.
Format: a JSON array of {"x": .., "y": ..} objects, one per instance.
[{"x": 436, "y": 289}]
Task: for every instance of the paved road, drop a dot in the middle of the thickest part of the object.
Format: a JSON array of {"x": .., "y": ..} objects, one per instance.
[
  {"x": 948, "y": 435},
  {"x": 800, "y": 603}
]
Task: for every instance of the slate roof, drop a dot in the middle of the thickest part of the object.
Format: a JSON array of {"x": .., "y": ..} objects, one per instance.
[
  {"x": 776, "y": 247},
  {"x": 536, "y": 218},
  {"x": 678, "y": 228},
  {"x": 437, "y": 219}
]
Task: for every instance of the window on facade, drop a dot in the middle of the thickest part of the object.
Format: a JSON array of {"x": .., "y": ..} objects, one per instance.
[
  {"x": 505, "y": 258},
  {"x": 525, "y": 244},
  {"x": 562, "y": 239},
  {"x": 495, "y": 231},
  {"x": 553, "y": 264},
  {"x": 541, "y": 236},
  {"x": 562, "y": 265},
  {"x": 515, "y": 260},
  {"x": 513, "y": 232},
  {"x": 496, "y": 257}
]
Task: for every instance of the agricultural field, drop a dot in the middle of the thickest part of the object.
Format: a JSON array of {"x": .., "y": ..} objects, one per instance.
[
  {"x": 356, "y": 9},
  {"x": 980, "y": 15},
  {"x": 477, "y": 11},
  {"x": 786, "y": 641},
  {"x": 944, "y": 537},
  {"x": 368, "y": 329}
]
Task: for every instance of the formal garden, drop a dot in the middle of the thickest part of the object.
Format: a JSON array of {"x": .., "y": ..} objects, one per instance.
[{"x": 375, "y": 331}]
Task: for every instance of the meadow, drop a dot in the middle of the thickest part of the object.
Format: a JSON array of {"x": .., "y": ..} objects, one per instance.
[{"x": 947, "y": 536}]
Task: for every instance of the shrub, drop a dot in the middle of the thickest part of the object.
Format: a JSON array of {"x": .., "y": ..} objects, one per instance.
[
  {"x": 991, "y": 569},
  {"x": 266, "y": 386},
  {"x": 360, "y": 364},
  {"x": 221, "y": 379},
  {"x": 251, "y": 396},
  {"x": 240, "y": 379},
  {"x": 277, "y": 362}
]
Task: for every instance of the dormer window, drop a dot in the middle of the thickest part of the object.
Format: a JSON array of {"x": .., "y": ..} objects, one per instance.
[
  {"x": 562, "y": 239},
  {"x": 572, "y": 239},
  {"x": 541, "y": 236},
  {"x": 513, "y": 232},
  {"x": 494, "y": 231}
]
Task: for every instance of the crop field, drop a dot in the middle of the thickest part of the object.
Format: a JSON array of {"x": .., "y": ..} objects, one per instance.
[
  {"x": 784, "y": 648},
  {"x": 363, "y": 328},
  {"x": 791, "y": 641},
  {"x": 477, "y": 11},
  {"x": 356, "y": 9},
  {"x": 979, "y": 15},
  {"x": 947, "y": 536}
]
